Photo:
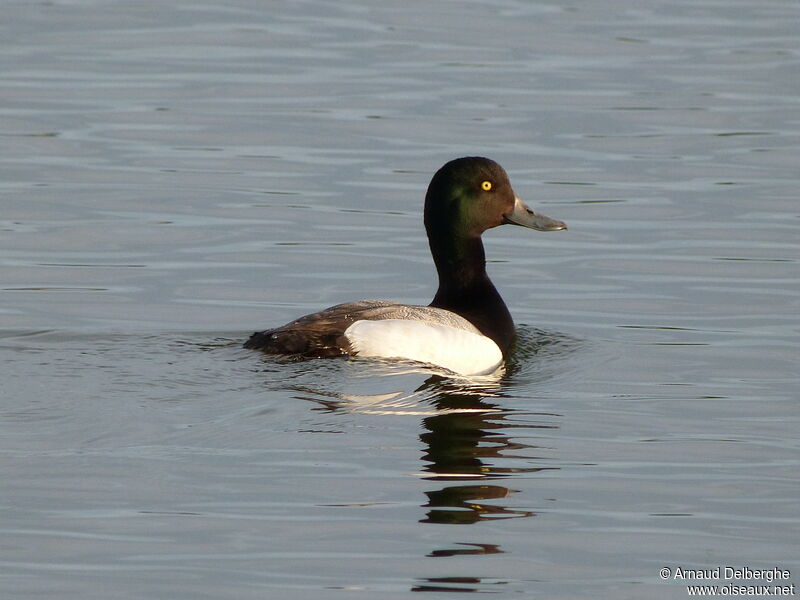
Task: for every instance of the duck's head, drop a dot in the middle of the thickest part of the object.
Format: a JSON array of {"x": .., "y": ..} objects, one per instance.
[{"x": 469, "y": 195}]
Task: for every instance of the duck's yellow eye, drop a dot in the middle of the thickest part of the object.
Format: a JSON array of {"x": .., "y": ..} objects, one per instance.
[{"x": 486, "y": 186}]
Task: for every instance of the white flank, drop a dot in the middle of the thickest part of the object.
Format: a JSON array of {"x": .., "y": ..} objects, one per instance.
[{"x": 457, "y": 350}]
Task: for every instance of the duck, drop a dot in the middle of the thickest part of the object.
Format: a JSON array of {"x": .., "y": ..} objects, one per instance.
[{"x": 467, "y": 329}]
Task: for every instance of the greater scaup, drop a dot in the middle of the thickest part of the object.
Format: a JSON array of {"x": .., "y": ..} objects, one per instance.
[{"x": 467, "y": 328}]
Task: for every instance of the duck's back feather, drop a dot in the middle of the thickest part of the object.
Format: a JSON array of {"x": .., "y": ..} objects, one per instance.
[{"x": 322, "y": 334}]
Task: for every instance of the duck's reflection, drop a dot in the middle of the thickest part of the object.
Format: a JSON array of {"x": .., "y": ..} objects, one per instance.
[
  {"x": 467, "y": 441},
  {"x": 464, "y": 505},
  {"x": 471, "y": 446},
  {"x": 466, "y": 548},
  {"x": 454, "y": 584}
]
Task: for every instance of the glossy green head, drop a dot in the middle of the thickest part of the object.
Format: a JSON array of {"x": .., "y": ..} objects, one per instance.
[
  {"x": 466, "y": 197},
  {"x": 469, "y": 195}
]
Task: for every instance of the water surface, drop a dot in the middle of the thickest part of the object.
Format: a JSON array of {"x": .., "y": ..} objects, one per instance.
[{"x": 176, "y": 176}]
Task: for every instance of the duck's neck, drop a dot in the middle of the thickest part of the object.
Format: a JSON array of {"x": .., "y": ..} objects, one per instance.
[{"x": 465, "y": 288}]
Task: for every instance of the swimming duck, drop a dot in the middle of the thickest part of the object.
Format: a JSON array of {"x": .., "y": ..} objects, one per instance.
[{"x": 467, "y": 328}]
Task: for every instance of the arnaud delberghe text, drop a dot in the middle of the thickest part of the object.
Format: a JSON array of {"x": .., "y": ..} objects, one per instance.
[{"x": 733, "y": 573}]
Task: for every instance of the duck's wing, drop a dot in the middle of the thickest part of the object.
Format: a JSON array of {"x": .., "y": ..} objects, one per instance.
[{"x": 322, "y": 334}]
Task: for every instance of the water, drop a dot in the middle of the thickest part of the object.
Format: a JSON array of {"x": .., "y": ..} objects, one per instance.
[{"x": 177, "y": 175}]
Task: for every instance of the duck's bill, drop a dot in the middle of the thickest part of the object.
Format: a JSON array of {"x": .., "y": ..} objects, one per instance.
[{"x": 524, "y": 216}]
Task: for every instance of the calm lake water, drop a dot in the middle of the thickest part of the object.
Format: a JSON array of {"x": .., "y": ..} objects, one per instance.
[{"x": 177, "y": 175}]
